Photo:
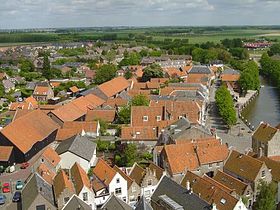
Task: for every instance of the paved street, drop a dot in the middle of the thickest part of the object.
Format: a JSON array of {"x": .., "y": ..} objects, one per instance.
[
  {"x": 238, "y": 138},
  {"x": 19, "y": 174}
]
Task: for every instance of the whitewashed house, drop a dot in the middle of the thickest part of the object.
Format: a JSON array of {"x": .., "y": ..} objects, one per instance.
[
  {"x": 107, "y": 181},
  {"x": 82, "y": 185},
  {"x": 77, "y": 149}
]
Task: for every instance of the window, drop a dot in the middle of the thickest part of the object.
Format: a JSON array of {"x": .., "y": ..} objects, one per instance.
[
  {"x": 145, "y": 118},
  {"x": 210, "y": 165},
  {"x": 118, "y": 191},
  {"x": 103, "y": 198},
  {"x": 149, "y": 182},
  {"x": 263, "y": 173},
  {"x": 42, "y": 160},
  {"x": 158, "y": 118},
  {"x": 85, "y": 196},
  {"x": 124, "y": 199},
  {"x": 118, "y": 180},
  {"x": 147, "y": 193},
  {"x": 66, "y": 199},
  {"x": 223, "y": 201},
  {"x": 41, "y": 207},
  {"x": 132, "y": 198},
  {"x": 133, "y": 189}
]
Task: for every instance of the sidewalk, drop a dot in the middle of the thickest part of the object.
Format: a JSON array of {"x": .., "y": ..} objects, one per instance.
[{"x": 238, "y": 137}]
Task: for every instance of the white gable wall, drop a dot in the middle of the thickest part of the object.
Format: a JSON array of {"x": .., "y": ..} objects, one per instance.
[
  {"x": 68, "y": 159},
  {"x": 122, "y": 184},
  {"x": 90, "y": 197}
]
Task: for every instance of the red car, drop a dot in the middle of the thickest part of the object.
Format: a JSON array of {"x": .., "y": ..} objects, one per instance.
[
  {"x": 6, "y": 188},
  {"x": 24, "y": 165}
]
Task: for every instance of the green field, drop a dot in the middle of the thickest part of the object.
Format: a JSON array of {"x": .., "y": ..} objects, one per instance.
[{"x": 195, "y": 35}]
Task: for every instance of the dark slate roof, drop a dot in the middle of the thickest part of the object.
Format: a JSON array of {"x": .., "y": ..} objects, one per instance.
[
  {"x": 200, "y": 70},
  {"x": 231, "y": 71},
  {"x": 114, "y": 203},
  {"x": 170, "y": 192},
  {"x": 76, "y": 203},
  {"x": 36, "y": 185},
  {"x": 143, "y": 204},
  {"x": 79, "y": 145},
  {"x": 87, "y": 92},
  {"x": 188, "y": 94}
]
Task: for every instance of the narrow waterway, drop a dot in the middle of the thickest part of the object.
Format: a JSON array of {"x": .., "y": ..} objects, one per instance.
[{"x": 266, "y": 107}]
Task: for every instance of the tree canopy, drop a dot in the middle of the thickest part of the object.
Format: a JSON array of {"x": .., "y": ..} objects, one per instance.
[
  {"x": 105, "y": 73},
  {"x": 249, "y": 79},
  {"x": 271, "y": 69},
  {"x": 140, "y": 100},
  {"x": 274, "y": 49},
  {"x": 133, "y": 58},
  {"x": 266, "y": 197},
  {"x": 26, "y": 65},
  {"x": 226, "y": 106},
  {"x": 152, "y": 71}
]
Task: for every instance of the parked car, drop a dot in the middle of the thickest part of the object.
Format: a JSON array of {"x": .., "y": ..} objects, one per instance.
[
  {"x": 17, "y": 196},
  {"x": 19, "y": 185},
  {"x": 2, "y": 199},
  {"x": 6, "y": 187},
  {"x": 24, "y": 165}
]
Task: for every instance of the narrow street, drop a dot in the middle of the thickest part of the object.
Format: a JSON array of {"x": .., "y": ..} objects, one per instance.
[{"x": 238, "y": 137}]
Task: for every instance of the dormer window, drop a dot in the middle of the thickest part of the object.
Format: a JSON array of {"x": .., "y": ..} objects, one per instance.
[
  {"x": 158, "y": 118},
  {"x": 263, "y": 173},
  {"x": 145, "y": 118},
  {"x": 223, "y": 201}
]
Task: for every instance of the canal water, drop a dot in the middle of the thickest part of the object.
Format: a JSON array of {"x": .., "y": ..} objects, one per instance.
[{"x": 266, "y": 106}]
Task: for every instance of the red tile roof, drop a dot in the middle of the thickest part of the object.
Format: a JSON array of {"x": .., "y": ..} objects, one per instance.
[
  {"x": 80, "y": 178},
  {"x": 114, "y": 86},
  {"x": 108, "y": 115},
  {"x": 191, "y": 155},
  {"x": 29, "y": 129},
  {"x": 61, "y": 182},
  {"x": 104, "y": 172},
  {"x": 41, "y": 90},
  {"x": 74, "y": 89},
  {"x": 51, "y": 155},
  {"x": 140, "y": 133},
  {"x": 46, "y": 173},
  {"x": 5, "y": 153}
]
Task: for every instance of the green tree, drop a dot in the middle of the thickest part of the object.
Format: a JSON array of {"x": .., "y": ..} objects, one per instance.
[
  {"x": 128, "y": 74},
  {"x": 226, "y": 106},
  {"x": 130, "y": 154},
  {"x": 26, "y": 65},
  {"x": 103, "y": 127},
  {"x": 2, "y": 90},
  {"x": 131, "y": 59},
  {"x": 140, "y": 100},
  {"x": 105, "y": 73},
  {"x": 47, "y": 68},
  {"x": 249, "y": 79},
  {"x": 266, "y": 197},
  {"x": 124, "y": 115},
  {"x": 274, "y": 49},
  {"x": 111, "y": 55},
  {"x": 152, "y": 71}
]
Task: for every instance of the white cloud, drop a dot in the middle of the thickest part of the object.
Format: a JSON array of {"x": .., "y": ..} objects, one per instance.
[{"x": 55, "y": 13}]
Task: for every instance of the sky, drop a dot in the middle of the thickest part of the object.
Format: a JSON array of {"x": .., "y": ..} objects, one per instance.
[{"x": 17, "y": 14}]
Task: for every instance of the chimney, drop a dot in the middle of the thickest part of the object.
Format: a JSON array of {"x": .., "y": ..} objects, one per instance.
[
  {"x": 163, "y": 113},
  {"x": 214, "y": 206},
  {"x": 188, "y": 185}
]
